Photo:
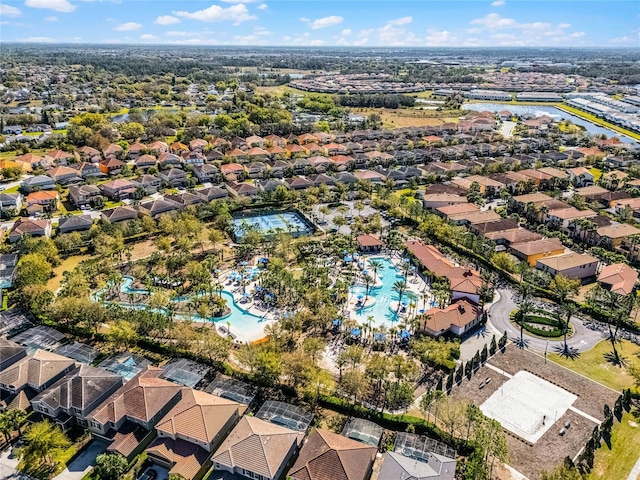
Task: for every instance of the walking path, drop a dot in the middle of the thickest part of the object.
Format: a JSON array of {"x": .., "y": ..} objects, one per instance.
[
  {"x": 583, "y": 338},
  {"x": 635, "y": 471}
]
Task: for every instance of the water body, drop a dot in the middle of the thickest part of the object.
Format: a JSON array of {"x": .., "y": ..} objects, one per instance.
[
  {"x": 383, "y": 310},
  {"x": 553, "y": 112}
]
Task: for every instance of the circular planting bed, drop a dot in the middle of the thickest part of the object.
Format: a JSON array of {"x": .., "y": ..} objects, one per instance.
[{"x": 541, "y": 323}]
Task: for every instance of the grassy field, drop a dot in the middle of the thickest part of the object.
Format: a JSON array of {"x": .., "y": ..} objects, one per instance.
[
  {"x": 598, "y": 121},
  {"x": 594, "y": 365},
  {"x": 280, "y": 89},
  {"x": 616, "y": 462},
  {"x": 406, "y": 117},
  {"x": 67, "y": 265}
]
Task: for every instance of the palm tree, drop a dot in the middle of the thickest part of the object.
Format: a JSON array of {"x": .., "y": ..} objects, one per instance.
[
  {"x": 375, "y": 266},
  {"x": 400, "y": 286},
  {"x": 367, "y": 281}
]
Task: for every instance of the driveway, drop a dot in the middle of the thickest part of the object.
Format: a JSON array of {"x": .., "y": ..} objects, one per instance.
[
  {"x": 83, "y": 462},
  {"x": 8, "y": 464},
  {"x": 582, "y": 339}
]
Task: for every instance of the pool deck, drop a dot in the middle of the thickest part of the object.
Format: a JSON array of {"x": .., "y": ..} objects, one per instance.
[{"x": 415, "y": 285}]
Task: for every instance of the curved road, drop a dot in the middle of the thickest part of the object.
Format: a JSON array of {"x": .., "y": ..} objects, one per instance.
[{"x": 582, "y": 339}]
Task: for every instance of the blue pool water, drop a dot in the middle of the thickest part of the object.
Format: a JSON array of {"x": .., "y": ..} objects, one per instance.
[
  {"x": 267, "y": 223},
  {"x": 240, "y": 319},
  {"x": 384, "y": 295}
]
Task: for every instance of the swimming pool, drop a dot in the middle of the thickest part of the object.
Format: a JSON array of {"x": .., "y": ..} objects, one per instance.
[
  {"x": 240, "y": 320},
  {"x": 291, "y": 222},
  {"x": 382, "y": 311}
]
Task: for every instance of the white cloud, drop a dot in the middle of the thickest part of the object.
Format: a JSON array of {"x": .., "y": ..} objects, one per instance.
[
  {"x": 215, "y": 13},
  {"x": 51, "y": 19},
  {"x": 239, "y": 1},
  {"x": 398, "y": 22},
  {"x": 394, "y": 33},
  {"x": 439, "y": 37},
  {"x": 498, "y": 3},
  {"x": 494, "y": 21},
  {"x": 248, "y": 40},
  {"x": 262, "y": 6},
  {"x": 326, "y": 22},
  {"x": 128, "y": 27},
  {"x": 110, "y": 19},
  {"x": 261, "y": 31},
  {"x": 626, "y": 39},
  {"x": 57, "y": 5},
  {"x": 346, "y": 32},
  {"x": 148, "y": 37},
  {"x": 305, "y": 19},
  {"x": 361, "y": 42},
  {"x": 577, "y": 34},
  {"x": 166, "y": 20},
  {"x": 316, "y": 42},
  {"x": 9, "y": 11},
  {"x": 38, "y": 40}
]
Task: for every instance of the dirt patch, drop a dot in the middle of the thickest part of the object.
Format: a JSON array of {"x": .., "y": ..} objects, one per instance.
[{"x": 550, "y": 449}]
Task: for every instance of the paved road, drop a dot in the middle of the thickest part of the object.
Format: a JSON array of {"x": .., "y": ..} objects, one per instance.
[{"x": 582, "y": 339}]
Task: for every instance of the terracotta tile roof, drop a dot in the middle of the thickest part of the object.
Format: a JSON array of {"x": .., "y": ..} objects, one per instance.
[
  {"x": 199, "y": 415},
  {"x": 187, "y": 459},
  {"x": 329, "y": 456},
  {"x": 618, "y": 230},
  {"x": 231, "y": 168},
  {"x": 619, "y": 278},
  {"x": 42, "y": 195},
  {"x": 537, "y": 247},
  {"x": 449, "y": 210},
  {"x": 369, "y": 241},
  {"x": 36, "y": 369},
  {"x": 127, "y": 439},
  {"x": 26, "y": 226},
  {"x": 568, "y": 260},
  {"x": 257, "y": 445},
  {"x": 459, "y": 313},
  {"x": 275, "y": 150},
  {"x": 141, "y": 398},
  {"x": 19, "y": 402}
]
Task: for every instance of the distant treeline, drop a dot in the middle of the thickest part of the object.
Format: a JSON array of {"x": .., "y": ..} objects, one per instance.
[{"x": 376, "y": 100}]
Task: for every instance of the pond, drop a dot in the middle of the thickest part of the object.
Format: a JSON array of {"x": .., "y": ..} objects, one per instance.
[{"x": 553, "y": 112}]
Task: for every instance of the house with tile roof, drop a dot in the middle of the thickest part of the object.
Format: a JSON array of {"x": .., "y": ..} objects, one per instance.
[
  {"x": 33, "y": 228},
  {"x": 369, "y": 243},
  {"x": 571, "y": 265},
  {"x": 10, "y": 353},
  {"x": 111, "y": 166},
  {"x": 531, "y": 251},
  {"x": 83, "y": 194},
  {"x": 327, "y": 455},
  {"x": 37, "y": 372},
  {"x": 75, "y": 223},
  {"x": 396, "y": 466},
  {"x": 119, "y": 214},
  {"x": 76, "y": 394},
  {"x": 457, "y": 318},
  {"x": 618, "y": 278},
  {"x": 131, "y": 412},
  {"x": 192, "y": 430},
  {"x": 257, "y": 449}
]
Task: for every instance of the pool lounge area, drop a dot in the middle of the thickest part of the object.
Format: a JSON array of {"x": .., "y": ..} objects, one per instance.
[
  {"x": 239, "y": 323},
  {"x": 384, "y": 303}
]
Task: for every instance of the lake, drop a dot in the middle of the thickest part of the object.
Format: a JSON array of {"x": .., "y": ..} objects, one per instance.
[{"x": 553, "y": 112}]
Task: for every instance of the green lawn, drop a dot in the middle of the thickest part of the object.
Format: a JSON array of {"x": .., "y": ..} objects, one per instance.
[
  {"x": 594, "y": 365},
  {"x": 617, "y": 462},
  {"x": 14, "y": 189}
]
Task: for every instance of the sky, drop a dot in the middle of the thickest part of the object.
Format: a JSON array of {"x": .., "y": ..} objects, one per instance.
[{"x": 388, "y": 23}]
